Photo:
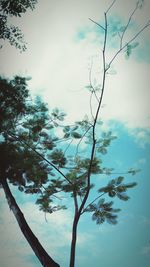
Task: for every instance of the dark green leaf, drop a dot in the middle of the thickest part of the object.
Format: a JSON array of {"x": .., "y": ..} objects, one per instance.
[{"x": 76, "y": 135}]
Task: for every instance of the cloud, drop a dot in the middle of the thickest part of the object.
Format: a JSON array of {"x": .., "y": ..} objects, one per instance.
[
  {"x": 59, "y": 64},
  {"x": 15, "y": 251},
  {"x": 146, "y": 250},
  {"x": 54, "y": 235},
  {"x": 141, "y": 136}
]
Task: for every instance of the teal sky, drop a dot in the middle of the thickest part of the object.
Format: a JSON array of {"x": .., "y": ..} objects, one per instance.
[{"x": 61, "y": 42}]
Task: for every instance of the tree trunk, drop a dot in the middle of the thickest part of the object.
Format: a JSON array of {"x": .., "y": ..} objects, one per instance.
[
  {"x": 74, "y": 240},
  {"x": 39, "y": 251}
]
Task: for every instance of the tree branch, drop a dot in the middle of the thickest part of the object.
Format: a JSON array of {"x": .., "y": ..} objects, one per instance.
[
  {"x": 40, "y": 155},
  {"x": 92, "y": 202},
  {"x": 110, "y": 6},
  {"x": 95, "y": 121},
  {"x": 129, "y": 20},
  {"x": 39, "y": 251},
  {"x": 97, "y": 24},
  {"x": 82, "y": 139},
  {"x": 129, "y": 42}
]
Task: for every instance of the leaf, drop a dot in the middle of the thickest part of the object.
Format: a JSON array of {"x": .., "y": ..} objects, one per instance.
[
  {"x": 119, "y": 180},
  {"x": 66, "y": 129},
  {"x": 58, "y": 158},
  {"x": 103, "y": 211},
  {"x": 102, "y": 150},
  {"x": 134, "y": 45},
  {"x": 66, "y": 135},
  {"x": 89, "y": 87},
  {"x": 133, "y": 171},
  {"x": 123, "y": 196},
  {"x": 140, "y": 4},
  {"x": 112, "y": 193},
  {"x": 131, "y": 185},
  {"x": 75, "y": 128},
  {"x": 76, "y": 135},
  {"x": 128, "y": 51}
]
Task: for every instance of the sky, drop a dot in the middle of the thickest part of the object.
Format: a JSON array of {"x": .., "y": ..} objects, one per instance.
[{"x": 62, "y": 43}]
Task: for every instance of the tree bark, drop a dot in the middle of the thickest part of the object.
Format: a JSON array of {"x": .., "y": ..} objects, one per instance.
[
  {"x": 39, "y": 251},
  {"x": 74, "y": 240}
]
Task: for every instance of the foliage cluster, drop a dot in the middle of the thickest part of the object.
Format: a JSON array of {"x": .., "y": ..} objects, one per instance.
[{"x": 13, "y": 8}]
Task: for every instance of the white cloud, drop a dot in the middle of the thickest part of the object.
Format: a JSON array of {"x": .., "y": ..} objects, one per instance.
[
  {"x": 141, "y": 136},
  {"x": 15, "y": 251},
  {"x": 54, "y": 235},
  {"x": 59, "y": 65},
  {"x": 146, "y": 250}
]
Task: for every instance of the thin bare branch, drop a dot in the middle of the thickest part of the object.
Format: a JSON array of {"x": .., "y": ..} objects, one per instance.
[
  {"x": 99, "y": 25},
  {"x": 110, "y": 6},
  {"x": 94, "y": 125},
  {"x": 81, "y": 140},
  {"x": 63, "y": 140},
  {"x": 127, "y": 25},
  {"x": 68, "y": 146},
  {"x": 104, "y": 73},
  {"x": 90, "y": 81},
  {"x": 91, "y": 108},
  {"x": 129, "y": 42}
]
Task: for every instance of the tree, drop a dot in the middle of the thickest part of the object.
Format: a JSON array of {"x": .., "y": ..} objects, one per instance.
[
  {"x": 18, "y": 162},
  {"x": 38, "y": 162},
  {"x": 13, "y": 8}
]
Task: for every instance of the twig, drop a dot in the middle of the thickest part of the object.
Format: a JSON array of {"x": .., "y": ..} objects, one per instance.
[
  {"x": 129, "y": 20},
  {"x": 97, "y": 24},
  {"x": 110, "y": 6},
  {"x": 81, "y": 140},
  {"x": 95, "y": 121},
  {"x": 91, "y": 105},
  {"x": 92, "y": 202},
  {"x": 129, "y": 42},
  {"x": 68, "y": 146},
  {"x": 90, "y": 81}
]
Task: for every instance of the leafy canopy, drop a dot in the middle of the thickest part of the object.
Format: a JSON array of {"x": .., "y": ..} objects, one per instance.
[{"x": 37, "y": 161}]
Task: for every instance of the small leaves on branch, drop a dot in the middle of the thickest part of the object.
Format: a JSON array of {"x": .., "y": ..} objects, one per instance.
[
  {"x": 104, "y": 142},
  {"x": 57, "y": 115},
  {"x": 116, "y": 188},
  {"x": 58, "y": 158},
  {"x": 103, "y": 211},
  {"x": 133, "y": 171},
  {"x": 129, "y": 49}
]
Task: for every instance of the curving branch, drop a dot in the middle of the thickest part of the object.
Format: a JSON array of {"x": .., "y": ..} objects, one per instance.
[{"x": 36, "y": 246}]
